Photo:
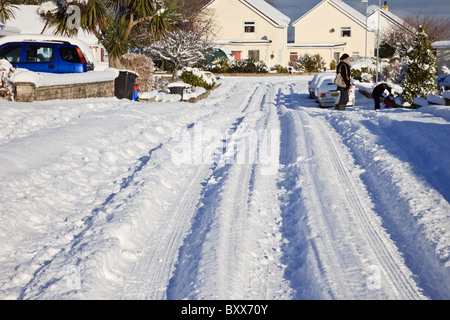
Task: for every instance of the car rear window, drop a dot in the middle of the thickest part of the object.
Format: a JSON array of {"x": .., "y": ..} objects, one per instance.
[
  {"x": 37, "y": 53},
  {"x": 11, "y": 52},
  {"x": 69, "y": 54}
]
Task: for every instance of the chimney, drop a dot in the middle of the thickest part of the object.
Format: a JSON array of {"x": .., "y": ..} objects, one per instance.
[{"x": 385, "y": 7}]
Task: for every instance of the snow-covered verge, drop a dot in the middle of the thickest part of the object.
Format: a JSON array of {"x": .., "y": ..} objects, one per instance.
[{"x": 252, "y": 193}]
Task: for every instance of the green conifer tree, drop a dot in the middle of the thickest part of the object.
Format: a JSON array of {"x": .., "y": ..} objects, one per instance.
[{"x": 420, "y": 78}]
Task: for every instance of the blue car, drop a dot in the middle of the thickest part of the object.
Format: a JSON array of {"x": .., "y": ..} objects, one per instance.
[{"x": 51, "y": 56}]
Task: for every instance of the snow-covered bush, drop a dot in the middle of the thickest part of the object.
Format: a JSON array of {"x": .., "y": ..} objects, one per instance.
[
  {"x": 141, "y": 64},
  {"x": 364, "y": 74},
  {"x": 280, "y": 69},
  {"x": 221, "y": 65},
  {"x": 395, "y": 71},
  {"x": 308, "y": 63},
  {"x": 198, "y": 78},
  {"x": 7, "y": 90},
  {"x": 238, "y": 66}
]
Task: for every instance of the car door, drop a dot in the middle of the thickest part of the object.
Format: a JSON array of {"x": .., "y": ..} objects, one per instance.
[{"x": 39, "y": 58}]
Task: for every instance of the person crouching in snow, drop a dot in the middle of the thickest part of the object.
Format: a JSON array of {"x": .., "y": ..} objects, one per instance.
[
  {"x": 345, "y": 70},
  {"x": 378, "y": 93}
]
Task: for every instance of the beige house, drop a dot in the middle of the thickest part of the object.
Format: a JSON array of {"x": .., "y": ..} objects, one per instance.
[
  {"x": 330, "y": 29},
  {"x": 250, "y": 29}
]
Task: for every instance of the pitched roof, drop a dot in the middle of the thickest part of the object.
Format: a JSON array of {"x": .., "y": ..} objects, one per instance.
[
  {"x": 265, "y": 10},
  {"x": 352, "y": 13},
  {"x": 371, "y": 10}
]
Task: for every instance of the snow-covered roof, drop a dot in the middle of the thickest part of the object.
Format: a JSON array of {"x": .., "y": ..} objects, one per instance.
[
  {"x": 265, "y": 10},
  {"x": 269, "y": 11},
  {"x": 443, "y": 44},
  {"x": 345, "y": 9},
  {"x": 373, "y": 9}
]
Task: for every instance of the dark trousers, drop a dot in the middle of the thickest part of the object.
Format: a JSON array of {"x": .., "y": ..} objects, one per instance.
[
  {"x": 343, "y": 100},
  {"x": 376, "y": 98}
]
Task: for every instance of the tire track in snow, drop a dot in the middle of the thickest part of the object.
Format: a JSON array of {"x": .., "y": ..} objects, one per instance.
[
  {"x": 389, "y": 260},
  {"x": 329, "y": 263},
  {"x": 218, "y": 260},
  {"x": 151, "y": 275}
]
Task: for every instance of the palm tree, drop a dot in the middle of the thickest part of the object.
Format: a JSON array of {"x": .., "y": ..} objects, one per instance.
[
  {"x": 112, "y": 21},
  {"x": 6, "y": 11}
]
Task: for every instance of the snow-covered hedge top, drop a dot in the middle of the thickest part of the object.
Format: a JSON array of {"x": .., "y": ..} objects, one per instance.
[
  {"x": 52, "y": 79},
  {"x": 206, "y": 76}
]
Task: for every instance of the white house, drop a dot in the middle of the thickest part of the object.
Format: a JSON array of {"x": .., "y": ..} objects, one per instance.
[
  {"x": 330, "y": 29},
  {"x": 250, "y": 29}
]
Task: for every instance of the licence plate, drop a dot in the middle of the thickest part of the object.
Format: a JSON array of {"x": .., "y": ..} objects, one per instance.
[{"x": 335, "y": 94}]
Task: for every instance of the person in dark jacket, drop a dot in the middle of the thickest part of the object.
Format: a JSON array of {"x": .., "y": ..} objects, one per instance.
[
  {"x": 344, "y": 69},
  {"x": 378, "y": 92}
]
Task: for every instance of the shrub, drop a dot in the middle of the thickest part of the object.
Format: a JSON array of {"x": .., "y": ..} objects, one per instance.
[
  {"x": 365, "y": 74},
  {"x": 143, "y": 65},
  {"x": 7, "y": 90},
  {"x": 197, "y": 78},
  {"x": 238, "y": 66},
  {"x": 333, "y": 65},
  {"x": 280, "y": 69},
  {"x": 311, "y": 64}
]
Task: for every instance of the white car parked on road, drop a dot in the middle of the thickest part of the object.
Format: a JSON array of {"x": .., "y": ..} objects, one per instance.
[
  {"x": 312, "y": 85},
  {"x": 328, "y": 95}
]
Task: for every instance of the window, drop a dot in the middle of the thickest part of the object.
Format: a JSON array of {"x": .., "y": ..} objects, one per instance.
[
  {"x": 11, "y": 52},
  {"x": 355, "y": 55},
  {"x": 70, "y": 54},
  {"x": 37, "y": 53},
  {"x": 346, "y": 32},
  {"x": 249, "y": 27},
  {"x": 253, "y": 54}
]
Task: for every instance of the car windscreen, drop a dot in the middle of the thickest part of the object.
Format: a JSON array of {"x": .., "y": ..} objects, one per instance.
[
  {"x": 11, "y": 52},
  {"x": 69, "y": 54}
]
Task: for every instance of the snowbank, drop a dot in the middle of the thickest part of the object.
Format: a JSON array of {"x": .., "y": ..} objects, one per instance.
[
  {"x": 189, "y": 93},
  {"x": 40, "y": 79}
]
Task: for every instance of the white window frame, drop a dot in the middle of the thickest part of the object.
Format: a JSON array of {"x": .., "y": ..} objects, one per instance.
[
  {"x": 249, "y": 27},
  {"x": 346, "y": 30}
]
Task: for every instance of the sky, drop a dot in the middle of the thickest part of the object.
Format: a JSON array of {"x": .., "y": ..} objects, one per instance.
[{"x": 294, "y": 9}]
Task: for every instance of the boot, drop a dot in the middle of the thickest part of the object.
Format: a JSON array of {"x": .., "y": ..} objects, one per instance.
[{"x": 340, "y": 107}]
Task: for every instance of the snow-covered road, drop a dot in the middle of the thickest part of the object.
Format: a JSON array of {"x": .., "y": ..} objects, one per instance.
[{"x": 252, "y": 193}]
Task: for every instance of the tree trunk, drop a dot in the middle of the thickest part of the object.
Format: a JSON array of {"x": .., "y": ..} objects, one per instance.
[
  {"x": 175, "y": 70},
  {"x": 114, "y": 62}
]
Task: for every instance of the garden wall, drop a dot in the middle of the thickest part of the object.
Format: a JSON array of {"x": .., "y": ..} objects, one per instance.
[
  {"x": 28, "y": 92},
  {"x": 34, "y": 86}
]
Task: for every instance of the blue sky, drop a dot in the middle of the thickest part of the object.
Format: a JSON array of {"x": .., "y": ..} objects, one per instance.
[{"x": 294, "y": 9}]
